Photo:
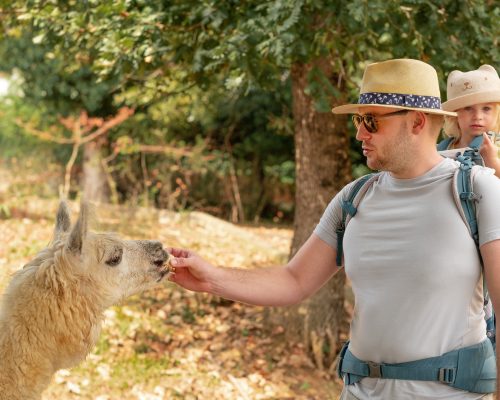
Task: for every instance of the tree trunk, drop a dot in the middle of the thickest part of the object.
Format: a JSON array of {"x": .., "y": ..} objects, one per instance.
[
  {"x": 323, "y": 167},
  {"x": 95, "y": 183}
]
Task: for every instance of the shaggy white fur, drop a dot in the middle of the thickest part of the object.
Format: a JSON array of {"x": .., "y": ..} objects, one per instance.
[{"x": 52, "y": 309}]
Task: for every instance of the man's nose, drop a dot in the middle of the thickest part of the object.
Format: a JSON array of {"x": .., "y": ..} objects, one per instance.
[{"x": 362, "y": 134}]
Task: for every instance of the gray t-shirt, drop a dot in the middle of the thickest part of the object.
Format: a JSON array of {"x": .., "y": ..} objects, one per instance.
[{"x": 415, "y": 274}]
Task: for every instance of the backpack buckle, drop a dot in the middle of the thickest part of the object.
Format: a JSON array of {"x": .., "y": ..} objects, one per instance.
[
  {"x": 469, "y": 196},
  {"x": 374, "y": 370},
  {"x": 447, "y": 375}
]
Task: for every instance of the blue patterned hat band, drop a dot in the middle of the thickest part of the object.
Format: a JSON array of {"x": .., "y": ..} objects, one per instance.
[{"x": 398, "y": 99}]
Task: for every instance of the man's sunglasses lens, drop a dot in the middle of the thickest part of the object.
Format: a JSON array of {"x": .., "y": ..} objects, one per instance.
[
  {"x": 367, "y": 119},
  {"x": 370, "y": 121}
]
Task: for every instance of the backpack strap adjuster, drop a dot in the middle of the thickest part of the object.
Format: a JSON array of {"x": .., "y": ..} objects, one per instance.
[
  {"x": 447, "y": 375},
  {"x": 374, "y": 370},
  {"x": 469, "y": 196},
  {"x": 349, "y": 208}
]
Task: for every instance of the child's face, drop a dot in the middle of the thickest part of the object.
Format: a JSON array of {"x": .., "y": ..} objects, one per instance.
[{"x": 476, "y": 119}]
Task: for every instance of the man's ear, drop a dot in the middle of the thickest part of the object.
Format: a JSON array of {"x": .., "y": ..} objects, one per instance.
[{"x": 419, "y": 122}]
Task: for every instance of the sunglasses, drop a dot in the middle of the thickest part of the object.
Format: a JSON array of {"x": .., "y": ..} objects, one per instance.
[{"x": 370, "y": 120}]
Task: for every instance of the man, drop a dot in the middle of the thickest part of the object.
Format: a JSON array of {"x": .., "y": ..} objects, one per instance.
[{"x": 415, "y": 270}]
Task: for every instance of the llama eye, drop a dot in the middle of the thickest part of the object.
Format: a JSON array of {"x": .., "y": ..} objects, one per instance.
[
  {"x": 114, "y": 256},
  {"x": 114, "y": 261}
]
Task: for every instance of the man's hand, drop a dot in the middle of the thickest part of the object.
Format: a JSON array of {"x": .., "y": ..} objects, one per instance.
[{"x": 190, "y": 271}]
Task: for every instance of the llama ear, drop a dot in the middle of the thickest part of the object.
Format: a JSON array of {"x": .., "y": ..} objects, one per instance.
[
  {"x": 79, "y": 231},
  {"x": 63, "y": 221}
]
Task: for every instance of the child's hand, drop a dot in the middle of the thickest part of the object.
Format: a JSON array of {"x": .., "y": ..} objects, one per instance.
[{"x": 489, "y": 152}]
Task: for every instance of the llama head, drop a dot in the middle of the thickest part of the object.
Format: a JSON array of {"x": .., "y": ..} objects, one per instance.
[
  {"x": 117, "y": 268},
  {"x": 51, "y": 311}
]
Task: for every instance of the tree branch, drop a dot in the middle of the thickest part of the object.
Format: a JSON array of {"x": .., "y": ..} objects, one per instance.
[
  {"x": 42, "y": 135},
  {"x": 123, "y": 114}
]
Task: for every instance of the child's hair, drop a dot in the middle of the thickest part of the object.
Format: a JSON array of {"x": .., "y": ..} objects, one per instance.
[{"x": 452, "y": 129}]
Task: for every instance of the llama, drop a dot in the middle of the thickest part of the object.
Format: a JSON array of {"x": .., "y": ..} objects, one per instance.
[{"x": 52, "y": 309}]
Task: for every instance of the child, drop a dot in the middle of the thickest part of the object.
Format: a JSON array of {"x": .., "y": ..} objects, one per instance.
[{"x": 475, "y": 97}]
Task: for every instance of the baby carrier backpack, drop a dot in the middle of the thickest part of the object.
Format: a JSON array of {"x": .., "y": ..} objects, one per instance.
[
  {"x": 472, "y": 368},
  {"x": 472, "y": 152}
]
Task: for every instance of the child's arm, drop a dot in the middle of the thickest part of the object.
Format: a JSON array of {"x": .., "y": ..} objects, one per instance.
[{"x": 489, "y": 152}]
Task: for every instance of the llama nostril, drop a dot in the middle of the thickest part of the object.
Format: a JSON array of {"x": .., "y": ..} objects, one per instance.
[{"x": 157, "y": 253}]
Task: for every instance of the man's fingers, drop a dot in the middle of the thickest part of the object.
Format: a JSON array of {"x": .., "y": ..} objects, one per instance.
[
  {"x": 181, "y": 262},
  {"x": 176, "y": 252},
  {"x": 176, "y": 262}
]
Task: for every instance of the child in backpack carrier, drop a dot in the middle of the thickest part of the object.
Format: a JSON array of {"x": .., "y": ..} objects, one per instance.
[{"x": 475, "y": 97}]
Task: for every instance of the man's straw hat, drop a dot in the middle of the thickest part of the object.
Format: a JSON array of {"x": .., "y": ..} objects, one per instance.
[
  {"x": 473, "y": 87},
  {"x": 401, "y": 84}
]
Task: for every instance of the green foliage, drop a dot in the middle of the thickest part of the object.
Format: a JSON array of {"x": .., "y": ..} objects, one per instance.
[
  {"x": 49, "y": 81},
  {"x": 15, "y": 142},
  {"x": 224, "y": 130},
  {"x": 130, "y": 43},
  {"x": 214, "y": 75}
]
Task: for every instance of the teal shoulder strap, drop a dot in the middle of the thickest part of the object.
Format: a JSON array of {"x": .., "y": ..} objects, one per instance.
[
  {"x": 466, "y": 196},
  {"x": 476, "y": 142},
  {"x": 443, "y": 144},
  {"x": 467, "y": 203},
  {"x": 349, "y": 210}
]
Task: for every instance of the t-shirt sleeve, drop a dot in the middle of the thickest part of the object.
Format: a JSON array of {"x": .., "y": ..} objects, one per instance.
[
  {"x": 487, "y": 187},
  {"x": 331, "y": 219}
]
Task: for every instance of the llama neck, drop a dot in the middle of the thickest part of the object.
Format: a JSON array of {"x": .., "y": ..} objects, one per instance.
[
  {"x": 75, "y": 311},
  {"x": 25, "y": 374},
  {"x": 48, "y": 321},
  {"x": 31, "y": 352}
]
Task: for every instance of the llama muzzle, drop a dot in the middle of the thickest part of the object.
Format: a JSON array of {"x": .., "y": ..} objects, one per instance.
[{"x": 164, "y": 265}]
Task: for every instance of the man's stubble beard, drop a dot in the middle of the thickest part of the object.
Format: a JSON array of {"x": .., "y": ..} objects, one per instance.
[{"x": 396, "y": 155}]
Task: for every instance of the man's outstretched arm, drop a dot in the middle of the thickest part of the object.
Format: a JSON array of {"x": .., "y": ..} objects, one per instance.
[{"x": 305, "y": 273}]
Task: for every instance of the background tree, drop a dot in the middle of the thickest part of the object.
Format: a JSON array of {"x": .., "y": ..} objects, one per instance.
[
  {"x": 319, "y": 47},
  {"x": 169, "y": 107}
]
